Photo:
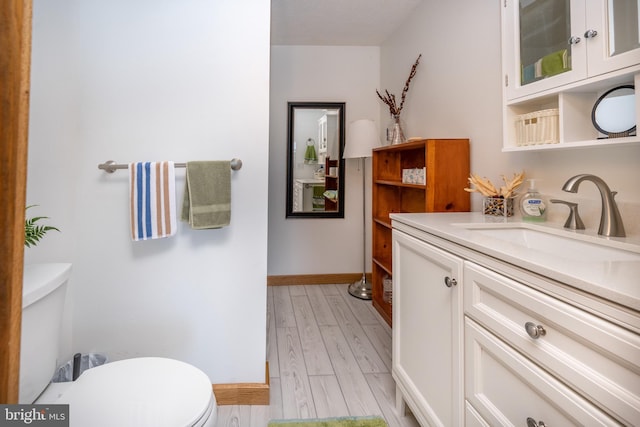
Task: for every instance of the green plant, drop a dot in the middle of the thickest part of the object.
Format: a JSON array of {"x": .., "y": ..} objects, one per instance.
[{"x": 34, "y": 232}]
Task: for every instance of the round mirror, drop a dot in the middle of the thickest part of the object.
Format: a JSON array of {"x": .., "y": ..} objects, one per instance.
[{"x": 614, "y": 114}]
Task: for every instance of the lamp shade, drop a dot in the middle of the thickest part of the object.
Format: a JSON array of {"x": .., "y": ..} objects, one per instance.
[{"x": 362, "y": 137}]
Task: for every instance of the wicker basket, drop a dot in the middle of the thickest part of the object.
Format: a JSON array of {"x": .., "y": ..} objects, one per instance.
[{"x": 539, "y": 127}]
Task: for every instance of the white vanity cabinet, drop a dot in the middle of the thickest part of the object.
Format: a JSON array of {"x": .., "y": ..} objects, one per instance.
[
  {"x": 297, "y": 196},
  {"x": 564, "y": 54},
  {"x": 521, "y": 349},
  {"x": 508, "y": 389},
  {"x": 427, "y": 331},
  {"x": 563, "y": 361}
]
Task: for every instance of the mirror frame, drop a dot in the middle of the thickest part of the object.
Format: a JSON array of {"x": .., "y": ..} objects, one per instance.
[
  {"x": 607, "y": 133},
  {"x": 291, "y": 107}
]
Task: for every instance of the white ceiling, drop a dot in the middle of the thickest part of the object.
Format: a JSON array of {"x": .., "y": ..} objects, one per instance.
[{"x": 337, "y": 22}]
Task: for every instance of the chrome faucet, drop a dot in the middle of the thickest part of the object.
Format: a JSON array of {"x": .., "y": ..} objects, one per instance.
[{"x": 610, "y": 219}]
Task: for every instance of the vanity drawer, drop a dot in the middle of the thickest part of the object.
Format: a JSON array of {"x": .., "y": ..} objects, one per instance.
[
  {"x": 506, "y": 389},
  {"x": 598, "y": 359}
]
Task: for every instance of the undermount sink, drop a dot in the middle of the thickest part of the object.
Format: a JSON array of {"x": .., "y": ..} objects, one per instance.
[{"x": 566, "y": 245}]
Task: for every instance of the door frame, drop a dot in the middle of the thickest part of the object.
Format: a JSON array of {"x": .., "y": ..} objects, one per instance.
[{"x": 15, "y": 65}]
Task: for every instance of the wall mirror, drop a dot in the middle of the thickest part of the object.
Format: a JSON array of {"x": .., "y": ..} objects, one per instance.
[
  {"x": 614, "y": 113},
  {"x": 315, "y": 167}
]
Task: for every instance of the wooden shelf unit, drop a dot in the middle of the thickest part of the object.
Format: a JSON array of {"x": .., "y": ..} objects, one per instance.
[
  {"x": 330, "y": 183},
  {"x": 447, "y": 169}
]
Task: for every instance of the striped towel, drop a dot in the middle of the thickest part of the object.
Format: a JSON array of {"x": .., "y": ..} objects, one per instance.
[{"x": 152, "y": 200}]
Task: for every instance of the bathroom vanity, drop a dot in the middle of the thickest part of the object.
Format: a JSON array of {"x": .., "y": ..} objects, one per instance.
[
  {"x": 507, "y": 323},
  {"x": 305, "y": 195}
]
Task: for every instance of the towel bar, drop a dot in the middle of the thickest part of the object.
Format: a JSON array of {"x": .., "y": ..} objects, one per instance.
[{"x": 110, "y": 166}]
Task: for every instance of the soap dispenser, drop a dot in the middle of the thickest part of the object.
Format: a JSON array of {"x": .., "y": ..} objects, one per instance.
[{"x": 532, "y": 205}]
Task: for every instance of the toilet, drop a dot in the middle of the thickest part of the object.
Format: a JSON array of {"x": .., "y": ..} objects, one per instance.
[{"x": 140, "y": 392}]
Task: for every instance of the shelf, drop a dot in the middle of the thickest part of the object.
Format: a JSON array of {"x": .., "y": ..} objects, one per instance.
[
  {"x": 386, "y": 268},
  {"x": 382, "y": 248},
  {"x": 399, "y": 184},
  {"x": 385, "y": 222},
  {"x": 384, "y": 308},
  {"x": 447, "y": 169},
  {"x": 594, "y": 143}
]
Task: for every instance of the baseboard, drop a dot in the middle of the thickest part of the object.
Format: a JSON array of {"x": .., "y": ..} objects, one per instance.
[
  {"x": 314, "y": 279},
  {"x": 243, "y": 393}
]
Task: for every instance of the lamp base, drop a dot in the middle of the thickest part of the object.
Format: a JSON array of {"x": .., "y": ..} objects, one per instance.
[{"x": 361, "y": 289}]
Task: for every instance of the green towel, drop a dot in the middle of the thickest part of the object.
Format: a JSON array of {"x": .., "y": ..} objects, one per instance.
[
  {"x": 554, "y": 63},
  {"x": 207, "y": 194},
  {"x": 310, "y": 156},
  {"x": 317, "y": 202}
]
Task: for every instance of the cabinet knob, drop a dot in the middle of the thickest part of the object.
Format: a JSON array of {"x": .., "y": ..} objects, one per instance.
[
  {"x": 589, "y": 34},
  {"x": 532, "y": 423},
  {"x": 450, "y": 282},
  {"x": 574, "y": 40},
  {"x": 534, "y": 331}
]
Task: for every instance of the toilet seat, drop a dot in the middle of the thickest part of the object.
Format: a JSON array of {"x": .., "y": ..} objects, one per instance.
[{"x": 146, "y": 391}]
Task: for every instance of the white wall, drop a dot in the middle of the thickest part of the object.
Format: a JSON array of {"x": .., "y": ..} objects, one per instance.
[
  {"x": 457, "y": 93},
  {"x": 155, "y": 80},
  {"x": 53, "y": 131},
  {"x": 53, "y": 139},
  {"x": 319, "y": 73}
]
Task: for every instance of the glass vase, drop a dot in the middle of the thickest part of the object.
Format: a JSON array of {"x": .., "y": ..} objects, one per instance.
[
  {"x": 395, "y": 131},
  {"x": 497, "y": 206}
]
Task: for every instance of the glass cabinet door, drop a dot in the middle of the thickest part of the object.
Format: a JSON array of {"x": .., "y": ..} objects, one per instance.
[
  {"x": 612, "y": 36},
  {"x": 545, "y": 39},
  {"x": 622, "y": 26},
  {"x": 543, "y": 47}
]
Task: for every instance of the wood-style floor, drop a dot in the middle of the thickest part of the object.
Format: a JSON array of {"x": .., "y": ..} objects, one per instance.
[{"x": 329, "y": 356}]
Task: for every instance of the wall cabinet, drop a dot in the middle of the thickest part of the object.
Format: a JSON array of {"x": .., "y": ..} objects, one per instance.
[
  {"x": 564, "y": 54},
  {"x": 446, "y": 163},
  {"x": 531, "y": 354},
  {"x": 322, "y": 138}
]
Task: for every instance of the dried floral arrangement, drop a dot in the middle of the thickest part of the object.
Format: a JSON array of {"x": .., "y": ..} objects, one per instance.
[
  {"x": 485, "y": 187},
  {"x": 390, "y": 99}
]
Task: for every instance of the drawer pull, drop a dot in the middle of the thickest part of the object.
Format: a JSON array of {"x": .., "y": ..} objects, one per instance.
[
  {"x": 450, "y": 282},
  {"x": 534, "y": 331},
  {"x": 532, "y": 423}
]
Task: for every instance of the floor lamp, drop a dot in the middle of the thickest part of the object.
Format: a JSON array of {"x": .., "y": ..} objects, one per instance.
[{"x": 362, "y": 137}]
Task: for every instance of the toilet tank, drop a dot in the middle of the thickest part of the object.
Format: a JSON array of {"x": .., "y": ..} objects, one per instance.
[{"x": 43, "y": 295}]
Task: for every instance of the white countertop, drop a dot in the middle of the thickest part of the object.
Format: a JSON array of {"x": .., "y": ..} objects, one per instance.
[
  {"x": 617, "y": 281},
  {"x": 310, "y": 181}
]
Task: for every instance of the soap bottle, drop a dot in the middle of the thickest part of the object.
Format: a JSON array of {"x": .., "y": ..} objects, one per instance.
[{"x": 532, "y": 205}]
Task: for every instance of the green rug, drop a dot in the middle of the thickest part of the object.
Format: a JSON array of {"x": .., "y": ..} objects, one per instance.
[{"x": 331, "y": 422}]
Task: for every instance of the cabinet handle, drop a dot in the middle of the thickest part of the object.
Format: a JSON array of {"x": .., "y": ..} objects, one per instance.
[
  {"x": 450, "y": 282},
  {"x": 532, "y": 423},
  {"x": 534, "y": 331},
  {"x": 574, "y": 40},
  {"x": 589, "y": 34}
]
